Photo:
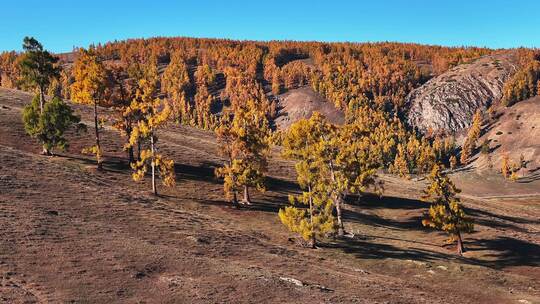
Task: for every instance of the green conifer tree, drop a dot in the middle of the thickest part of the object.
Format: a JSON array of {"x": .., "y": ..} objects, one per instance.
[{"x": 50, "y": 125}]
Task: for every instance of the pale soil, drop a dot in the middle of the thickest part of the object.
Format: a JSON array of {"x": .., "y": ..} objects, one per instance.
[{"x": 69, "y": 234}]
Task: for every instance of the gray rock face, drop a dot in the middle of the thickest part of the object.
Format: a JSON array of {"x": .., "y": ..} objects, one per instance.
[{"x": 447, "y": 102}]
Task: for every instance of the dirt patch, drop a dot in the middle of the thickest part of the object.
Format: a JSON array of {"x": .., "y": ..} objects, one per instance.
[{"x": 301, "y": 103}]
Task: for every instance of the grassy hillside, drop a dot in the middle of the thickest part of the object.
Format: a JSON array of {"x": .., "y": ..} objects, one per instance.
[{"x": 73, "y": 234}]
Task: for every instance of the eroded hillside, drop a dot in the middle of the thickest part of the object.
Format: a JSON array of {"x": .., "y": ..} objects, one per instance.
[{"x": 447, "y": 102}]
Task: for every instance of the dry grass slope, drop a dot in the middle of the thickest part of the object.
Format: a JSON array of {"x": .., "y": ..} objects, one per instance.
[{"x": 71, "y": 234}]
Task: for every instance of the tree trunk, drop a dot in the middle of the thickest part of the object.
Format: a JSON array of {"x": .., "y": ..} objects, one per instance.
[
  {"x": 235, "y": 199},
  {"x": 130, "y": 155},
  {"x": 98, "y": 146},
  {"x": 337, "y": 202},
  {"x": 341, "y": 228},
  {"x": 460, "y": 248},
  {"x": 154, "y": 189},
  {"x": 138, "y": 150},
  {"x": 246, "y": 199},
  {"x": 312, "y": 242},
  {"x": 41, "y": 99},
  {"x": 46, "y": 151},
  {"x": 130, "y": 148}
]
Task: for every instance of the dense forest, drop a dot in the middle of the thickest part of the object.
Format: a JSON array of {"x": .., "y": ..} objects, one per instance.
[{"x": 200, "y": 79}]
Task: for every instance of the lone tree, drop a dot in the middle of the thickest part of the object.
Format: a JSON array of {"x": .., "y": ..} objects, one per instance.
[
  {"x": 89, "y": 88},
  {"x": 446, "y": 212},
  {"x": 300, "y": 144},
  {"x": 49, "y": 125},
  {"x": 152, "y": 114},
  {"x": 245, "y": 141},
  {"x": 38, "y": 68}
]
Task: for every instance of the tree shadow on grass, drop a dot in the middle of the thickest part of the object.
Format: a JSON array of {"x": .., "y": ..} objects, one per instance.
[
  {"x": 204, "y": 172},
  {"x": 505, "y": 252},
  {"x": 488, "y": 219},
  {"x": 374, "y": 201},
  {"x": 363, "y": 249}
]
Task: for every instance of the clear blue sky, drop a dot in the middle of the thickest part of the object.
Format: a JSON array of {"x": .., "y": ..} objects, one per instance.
[{"x": 62, "y": 24}]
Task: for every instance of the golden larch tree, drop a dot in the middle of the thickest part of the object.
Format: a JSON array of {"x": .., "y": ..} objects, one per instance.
[
  {"x": 89, "y": 88},
  {"x": 300, "y": 144},
  {"x": 244, "y": 139},
  {"x": 152, "y": 114},
  {"x": 446, "y": 212}
]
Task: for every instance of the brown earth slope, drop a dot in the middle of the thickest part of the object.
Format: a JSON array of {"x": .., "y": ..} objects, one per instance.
[
  {"x": 447, "y": 102},
  {"x": 69, "y": 234},
  {"x": 301, "y": 103},
  {"x": 515, "y": 132}
]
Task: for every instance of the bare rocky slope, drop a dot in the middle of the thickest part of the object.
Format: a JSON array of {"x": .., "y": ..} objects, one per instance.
[
  {"x": 301, "y": 103},
  {"x": 447, "y": 102}
]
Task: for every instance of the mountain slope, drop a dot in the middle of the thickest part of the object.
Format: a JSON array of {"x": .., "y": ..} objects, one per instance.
[{"x": 515, "y": 132}]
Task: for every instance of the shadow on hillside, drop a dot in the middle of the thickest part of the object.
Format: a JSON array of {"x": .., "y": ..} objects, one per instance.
[
  {"x": 204, "y": 172},
  {"x": 507, "y": 252},
  {"x": 373, "y": 201},
  {"x": 410, "y": 223},
  {"x": 110, "y": 163},
  {"x": 503, "y": 251},
  {"x": 363, "y": 249},
  {"x": 488, "y": 219},
  {"x": 533, "y": 176}
]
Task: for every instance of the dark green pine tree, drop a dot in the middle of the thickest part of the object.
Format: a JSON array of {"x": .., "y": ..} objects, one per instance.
[
  {"x": 50, "y": 125},
  {"x": 38, "y": 67}
]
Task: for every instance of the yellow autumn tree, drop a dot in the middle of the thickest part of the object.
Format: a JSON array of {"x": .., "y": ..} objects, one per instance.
[
  {"x": 244, "y": 139},
  {"x": 174, "y": 83},
  {"x": 309, "y": 213},
  {"x": 348, "y": 160},
  {"x": 445, "y": 212},
  {"x": 469, "y": 146},
  {"x": 152, "y": 115},
  {"x": 89, "y": 88}
]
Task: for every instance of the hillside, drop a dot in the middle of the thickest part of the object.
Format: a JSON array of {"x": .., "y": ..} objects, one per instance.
[
  {"x": 515, "y": 133},
  {"x": 447, "y": 102},
  {"x": 301, "y": 103},
  {"x": 72, "y": 234}
]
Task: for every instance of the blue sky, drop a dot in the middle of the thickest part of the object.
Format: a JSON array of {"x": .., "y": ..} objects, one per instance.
[{"x": 62, "y": 24}]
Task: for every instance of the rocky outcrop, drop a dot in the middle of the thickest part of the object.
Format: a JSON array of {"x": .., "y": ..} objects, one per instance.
[{"x": 447, "y": 102}]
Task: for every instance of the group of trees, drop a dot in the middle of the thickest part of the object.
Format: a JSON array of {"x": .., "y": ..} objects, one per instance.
[
  {"x": 198, "y": 72},
  {"x": 333, "y": 163},
  {"x": 140, "y": 111},
  {"x": 525, "y": 83},
  {"x": 473, "y": 134}
]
